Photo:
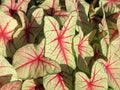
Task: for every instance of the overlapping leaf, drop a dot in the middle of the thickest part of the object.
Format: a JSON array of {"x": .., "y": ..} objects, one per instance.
[
  {"x": 59, "y": 42},
  {"x": 81, "y": 8},
  {"x": 110, "y": 6},
  {"x": 112, "y": 65},
  {"x": 10, "y": 7},
  {"x": 29, "y": 28},
  {"x": 52, "y": 8},
  {"x": 106, "y": 38},
  {"x": 60, "y": 81},
  {"x": 29, "y": 62},
  {"x": 5, "y": 79},
  {"x": 98, "y": 80},
  {"x": 30, "y": 84},
  {"x": 82, "y": 46},
  {"x": 7, "y": 28},
  {"x": 16, "y": 85}
]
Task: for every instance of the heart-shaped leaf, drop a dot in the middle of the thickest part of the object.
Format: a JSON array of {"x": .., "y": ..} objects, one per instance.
[
  {"x": 82, "y": 46},
  {"x": 29, "y": 62},
  {"x": 98, "y": 80},
  {"x": 112, "y": 66},
  {"x": 59, "y": 42}
]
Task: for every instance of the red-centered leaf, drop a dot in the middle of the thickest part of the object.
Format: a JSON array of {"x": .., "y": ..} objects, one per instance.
[
  {"x": 16, "y": 85},
  {"x": 59, "y": 42},
  {"x": 60, "y": 81},
  {"x": 5, "y": 35},
  {"x": 30, "y": 84},
  {"x": 29, "y": 30},
  {"x": 112, "y": 67},
  {"x": 98, "y": 80},
  {"x": 5, "y": 79},
  {"x": 10, "y": 7},
  {"x": 29, "y": 62},
  {"x": 6, "y": 69},
  {"x": 82, "y": 46},
  {"x": 7, "y": 28}
]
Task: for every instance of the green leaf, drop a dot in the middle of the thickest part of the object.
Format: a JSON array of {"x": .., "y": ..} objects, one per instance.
[
  {"x": 5, "y": 79},
  {"x": 29, "y": 62},
  {"x": 29, "y": 29},
  {"x": 59, "y": 41},
  {"x": 113, "y": 30},
  {"x": 98, "y": 80},
  {"x": 110, "y": 6},
  {"x": 60, "y": 81}
]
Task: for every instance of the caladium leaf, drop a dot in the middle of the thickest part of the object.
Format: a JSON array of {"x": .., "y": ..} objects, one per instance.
[
  {"x": 29, "y": 30},
  {"x": 60, "y": 81},
  {"x": 7, "y": 28},
  {"x": 7, "y": 69},
  {"x": 30, "y": 84},
  {"x": 5, "y": 79},
  {"x": 112, "y": 66},
  {"x": 110, "y": 6},
  {"x": 98, "y": 80},
  {"x": 115, "y": 46},
  {"x": 50, "y": 4},
  {"x": 52, "y": 8},
  {"x": 10, "y": 7},
  {"x": 82, "y": 46},
  {"x": 72, "y": 5},
  {"x": 81, "y": 8},
  {"x": 59, "y": 42},
  {"x": 106, "y": 39},
  {"x": 29, "y": 62},
  {"x": 15, "y": 85}
]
